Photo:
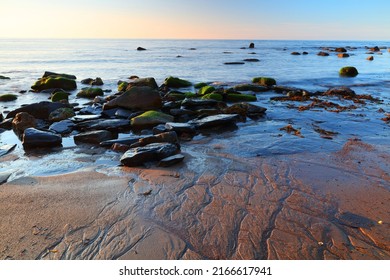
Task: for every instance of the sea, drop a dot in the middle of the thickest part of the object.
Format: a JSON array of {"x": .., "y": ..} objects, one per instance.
[{"x": 25, "y": 60}]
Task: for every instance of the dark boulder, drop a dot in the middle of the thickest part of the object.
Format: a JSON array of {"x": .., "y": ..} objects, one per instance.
[
  {"x": 323, "y": 54},
  {"x": 136, "y": 98},
  {"x": 252, "y": 45},
  {"x": 112, "y": 125},
  {"x": 93, "y": 137},
  {"x": 34, "y": 138},
  {"x": 141, "y": 49},
  {"x": 62, "y": 127},
  {"x": 175, "y": 82},
  {"x": 341, "y": 50},
  {"x": 39, "y": 110},
  {"x": 348, "y": 71}
]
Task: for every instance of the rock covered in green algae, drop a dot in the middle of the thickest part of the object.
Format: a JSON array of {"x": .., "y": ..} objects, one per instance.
[
  {"x": 348, "y": 71},
  {"x": 213, "y": 96},
  {"x": 60, "y": 96},
  {"x": 206, "y": 90},
  {"x": 150, "y": 119},
  {"x": 61, "y": 114},
  {"x": 52, "y": 80},
  {"x": 264, "y": 81},
  {"x": 90, "y": 92},
  {"x": 232, "y": 97},
  {"x": 175, "y": 82},
  {"x": 8, "y": 97}
]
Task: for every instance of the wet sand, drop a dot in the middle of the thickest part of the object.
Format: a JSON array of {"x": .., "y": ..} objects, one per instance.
[{"x": 213, "y": 206}]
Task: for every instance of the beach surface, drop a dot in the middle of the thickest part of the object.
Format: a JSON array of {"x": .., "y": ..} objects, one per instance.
[{"x": 212, "y": 206}]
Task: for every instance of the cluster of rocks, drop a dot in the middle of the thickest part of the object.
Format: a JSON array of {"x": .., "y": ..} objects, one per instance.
[{"x": 156, "y": 117}]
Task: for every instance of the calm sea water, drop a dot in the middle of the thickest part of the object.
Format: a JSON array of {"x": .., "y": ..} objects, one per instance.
[{"x": 203, "y": 61}]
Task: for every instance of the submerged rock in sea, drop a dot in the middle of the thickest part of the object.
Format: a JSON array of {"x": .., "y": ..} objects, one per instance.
[
  {"x": 93, "y": 137},
  {"x": 348, "y": 71},
  {"x": 151, "y": 152},
  {"x": 341, "y": 91},
  {"x": 23, "y": 121},
  {"x": 175, "y": 82},
  {"x": 34, "y": 138},
  {"x": 137, "y": 98},
  {"x": 234, "y": 63},
  {"x": 172, "y": 160},
  {"x": 39, "y": 110},
  {"x": 216, "y": 120},
  {"x": 8, "y": 97},
  {"x": 295, "y": 53}
]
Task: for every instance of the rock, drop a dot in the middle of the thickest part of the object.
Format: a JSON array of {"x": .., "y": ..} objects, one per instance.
[
  {"x": 95, "y": 109},
  {"x": 136, "y": 98},
  {"x": 22, "y": 121},
  {"x": 348, "y": 71},
  {"x": 371, "y": 58},
  {"x": 165, "y": 137},
  {"x": 93, "y": 137},
  {"x": 305, "y": 53},
  {"x": 4, "y": 78},
  {"x": 343, "y": 55},
  {"x": 34, "y": 138},
  {"x": 216, "y": 120},
  {"x": 213, "y": 96},
  {"x": 143, "y": 82},
  {"x": 341, "y": 91},
  {"x": 175, "y": 82},
  {"x": 5, "y": 175},
  {"x": 375, "y": 49},
  {"x": 112, "y": 125},
  {"x": 341, "y": 50},
  {"x": 83, "y": 118},
  {"x": 180, "y": 127},
  {"x": 264, "y": 81},
  {"x": 246, "y": 110},
  {"x": 5, "y": 149},
  {"x": 200, "y": 85},
  {"x": 195, "y": 104},
  {"x": 39, "y": 110},
  {"x": 206, "y": 90},
  {"x": 240, "y": 97},
  {"x": 6, "y": 124},
  {"x": 251, "y": 60},
  {"x": 150, "y": 119},
  {"x": 93, "y": 82},
  {"x": 172, "y": 160},
  {"x": 234, "y": 63},
  {"x": 51, "y": 82},
  {"x": 123, "y": 141},
  {"x": 295, "y": 53},
  {"x": 141, "y": 49},
  {"x": 8, "y": 97},
  {"x": 90, "y": 92},
  {"x": 119, "y": 147},
  {"x": 252, "y": 45},
  {"x": 124, "y": 114},
  {"x": 61, "y": 114},
  {"x": 53, "y": 74},
  {"x": 60, "y": 96},
  {"x": 323, "y": 54},
  {"x": 151, "y": 152},
  {"x": 122, "y": 86},
  {"x": 62, "y": 127},
  {"x": 250, "y": 87}
]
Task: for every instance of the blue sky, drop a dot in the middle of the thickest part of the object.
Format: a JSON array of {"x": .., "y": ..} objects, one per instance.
[{"x": 196, "y": 19}]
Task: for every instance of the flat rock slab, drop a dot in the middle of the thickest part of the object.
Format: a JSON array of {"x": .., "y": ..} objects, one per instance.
[
  {"x": 172, "y": 160},
  {"x": 93, "y": 137},
  {"x": 103, "y": 125},
  {"x": 62, "y": 127},
  {"x": 217, "y": 120},
  {"x": 180, "y": 127},
  {"x": 5, "y": 149},
  {"x": 123, "y": 141},
  {"x": 34, "y": 138},
  {"x": 151, "y": 152}
]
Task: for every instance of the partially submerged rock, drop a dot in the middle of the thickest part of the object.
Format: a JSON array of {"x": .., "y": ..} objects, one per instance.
[
  {"x": 341, "y": 91},
  {"x": 93, "y": 82},
  {"x": 61, "y": 114},
  {"x": 60, "y": 96},
  {"x": 8, "y": 97},
  {"x": 216, "y": 120},
  {"x": 150, "y": 119},
  {"x": 93, "y": 137},
  {"x": 52, "y": 80},
  {"x": 136, "y": 98},
  {"x": 246, "y": 110},
  {"x": 4, "y": 77},
  {"x": 264, "y": 81},
  {"x": 348, "y": 71},
  {"x": 34, "y": 138},
  {"x": 90, "y": 92},
  {"x": 152, "y": 152},
  {"x": 175, "y": 82}
]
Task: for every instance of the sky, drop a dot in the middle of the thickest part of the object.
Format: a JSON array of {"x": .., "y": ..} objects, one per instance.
[{"x": 196, "y": 19}]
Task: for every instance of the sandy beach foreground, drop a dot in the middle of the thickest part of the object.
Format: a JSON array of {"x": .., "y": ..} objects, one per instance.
[{"x": 217, "y": 206}]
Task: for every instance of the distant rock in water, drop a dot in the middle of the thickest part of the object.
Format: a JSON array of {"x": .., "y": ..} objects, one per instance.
[
  {"x": 295, "y": 53},
  {"x": 234, "y": 63},
  {"x": 323, "y": 54},
  {"x": 252, "y": 60},
  {"x": 343, "y": 55},
  {"x": 348, "y": 71},
  {"x": 141, "y": 49},
  {"x": 252, "y": 45},
  {"x": 4, "y": 78},
  {"x": 93, "y": 82},
  {"x": 371, "y": 58},
  {"x": 341, "y": 50}
]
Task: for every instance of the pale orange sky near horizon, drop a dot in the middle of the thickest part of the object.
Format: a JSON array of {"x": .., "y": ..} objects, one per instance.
[{"x": 201, "y": 19}]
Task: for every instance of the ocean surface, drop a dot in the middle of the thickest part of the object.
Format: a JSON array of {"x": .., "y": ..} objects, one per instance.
[{"x": 25, "y": 60}]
